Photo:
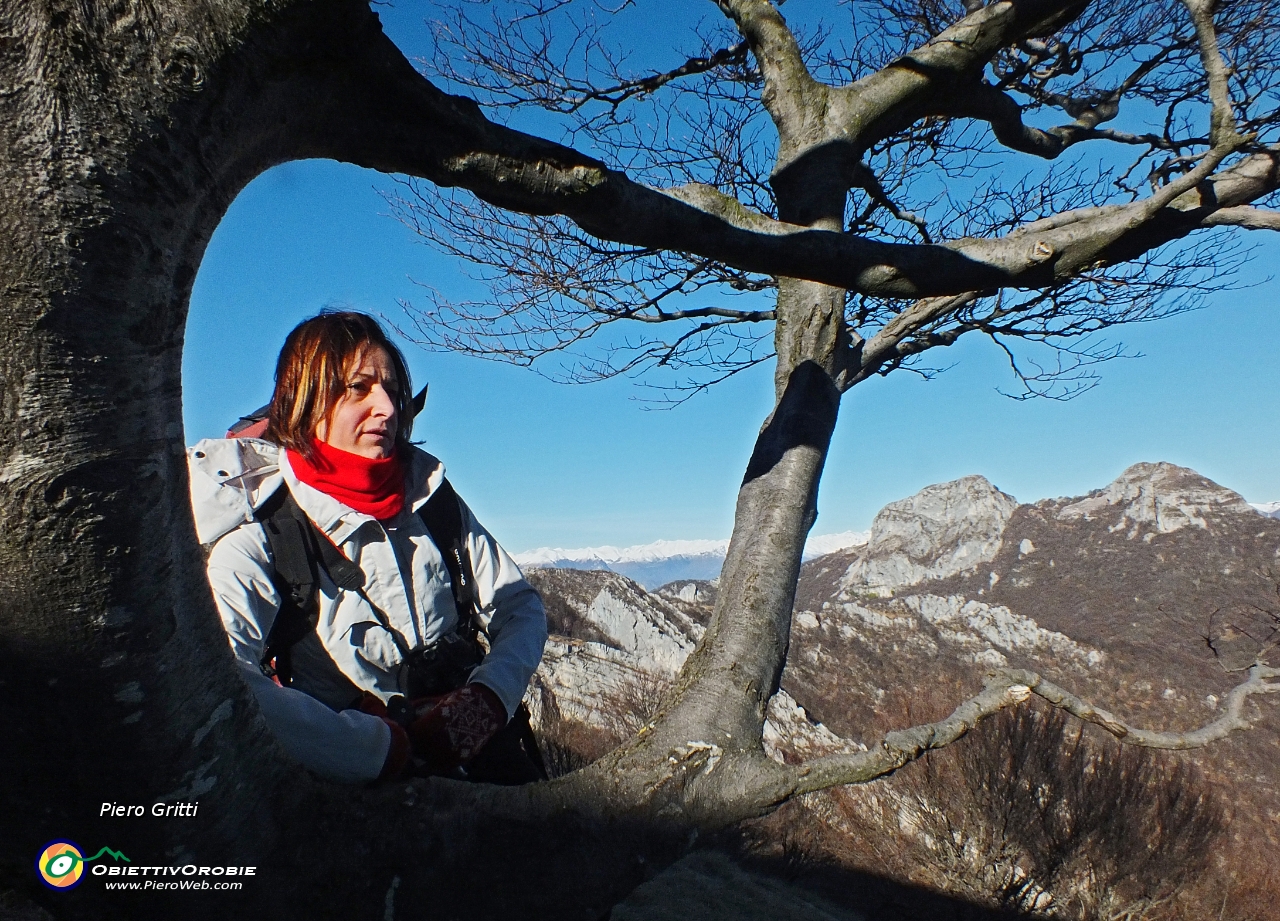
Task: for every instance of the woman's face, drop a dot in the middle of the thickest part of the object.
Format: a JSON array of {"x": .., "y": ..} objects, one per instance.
[{"x": 364, "y": 420}]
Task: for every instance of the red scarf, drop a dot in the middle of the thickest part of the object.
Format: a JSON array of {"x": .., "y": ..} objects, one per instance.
[{"x": 374, "y": 486}]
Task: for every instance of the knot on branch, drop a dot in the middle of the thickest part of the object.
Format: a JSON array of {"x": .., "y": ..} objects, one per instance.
[
  {"x": 703, "y": 755},
  {"x": 909, "y": 742},
  {"x": 1019, "y": 693},
  {"x": 182, "y": 65}
]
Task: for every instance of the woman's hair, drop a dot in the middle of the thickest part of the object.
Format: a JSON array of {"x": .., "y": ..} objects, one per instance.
[{"x": 311, "y": 376}]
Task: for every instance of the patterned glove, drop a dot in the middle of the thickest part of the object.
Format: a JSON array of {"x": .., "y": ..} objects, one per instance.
[{"x": 452, "y": 733}]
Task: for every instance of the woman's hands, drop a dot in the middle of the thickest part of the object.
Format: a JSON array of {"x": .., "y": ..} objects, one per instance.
[
  {"x": 444, "y": 733},
  {"x": 451, "y": 730}
]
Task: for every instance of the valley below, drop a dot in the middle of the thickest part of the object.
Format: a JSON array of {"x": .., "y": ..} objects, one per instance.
[{"x": 1149, "y": 597}]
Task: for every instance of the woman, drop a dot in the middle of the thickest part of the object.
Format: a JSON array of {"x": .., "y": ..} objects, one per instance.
[{"x": 337, "y": 440}]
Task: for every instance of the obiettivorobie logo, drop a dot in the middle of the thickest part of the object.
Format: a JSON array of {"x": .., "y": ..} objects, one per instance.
[
  {"x": 61, "y": 863},
  {"x": 61, "y": 866}
]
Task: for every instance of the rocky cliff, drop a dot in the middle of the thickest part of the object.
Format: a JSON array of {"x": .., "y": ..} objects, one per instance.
[{"x": 1143, "y": 596}]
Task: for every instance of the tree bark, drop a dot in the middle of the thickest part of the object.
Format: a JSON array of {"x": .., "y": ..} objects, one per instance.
[
  {"x": 122, "y": 149},
  {"x": 126, "y": 132}
]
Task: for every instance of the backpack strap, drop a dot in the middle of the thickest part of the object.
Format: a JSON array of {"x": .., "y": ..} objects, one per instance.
[
  {"x": 296, "y": 580},
  {"x": 441, "y": 514},
  {"x": 297, "y": 549}
]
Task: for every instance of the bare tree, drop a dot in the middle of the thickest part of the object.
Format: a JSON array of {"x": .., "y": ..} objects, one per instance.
[
  {"x": 128, "y": 127},
  {"x": 932, "y": 160}
]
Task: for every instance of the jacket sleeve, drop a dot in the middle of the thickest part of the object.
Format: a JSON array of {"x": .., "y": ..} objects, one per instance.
[
  {"x": 349, "y": 746},
  {"x": 510, "y": 612}
]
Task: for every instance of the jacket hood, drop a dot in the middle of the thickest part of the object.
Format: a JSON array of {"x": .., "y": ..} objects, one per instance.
[{"x": 230, "y": 479}]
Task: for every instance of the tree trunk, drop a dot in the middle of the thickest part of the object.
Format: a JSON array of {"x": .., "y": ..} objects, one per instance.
[
  {"x": 126, "y": 134},
  {"x": 723, "y": 691},
  {"x": 127, "y": 131},
  {"x": 114, "y": 174}
]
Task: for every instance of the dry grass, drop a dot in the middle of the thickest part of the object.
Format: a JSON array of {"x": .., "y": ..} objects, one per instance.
[
  {"x": 569, "y": 744},
  {"x": 1031, "y": 817}
]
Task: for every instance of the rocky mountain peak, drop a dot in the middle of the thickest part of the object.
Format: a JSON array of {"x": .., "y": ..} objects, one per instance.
[
  {"x": 942, "y": 530},
  {"x": 1156, "y": 498}
]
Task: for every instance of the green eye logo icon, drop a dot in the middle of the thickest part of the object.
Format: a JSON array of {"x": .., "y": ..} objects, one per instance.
[{"x": 61, "y": 864}]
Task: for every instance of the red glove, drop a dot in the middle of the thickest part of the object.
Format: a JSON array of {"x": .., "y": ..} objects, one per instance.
[
  {"x": 398, "y": 750},
  {"x": 454, "y": 731},
  {"x": 370, "y": 703}
]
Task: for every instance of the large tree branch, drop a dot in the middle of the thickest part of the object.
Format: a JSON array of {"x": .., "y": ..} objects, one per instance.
[
  {"x": 923, "y": 81},
  {"x": 981, "y": 100},
  {"x": 390, "y": 118},
  {"x": 1244, "y": 216},
  {"x": 789, "y": 88},
  {"x": 1008, "y": 688},
  {"x": 1222, "y": 122}
]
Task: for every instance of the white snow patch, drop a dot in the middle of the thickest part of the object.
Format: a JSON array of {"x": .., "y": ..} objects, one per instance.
[
  {"x": 640, "y": 553},
  {"x": 605, "y": 557},
  {"x": 822, "y": 544},
  {"x": 665, "y": 561}
]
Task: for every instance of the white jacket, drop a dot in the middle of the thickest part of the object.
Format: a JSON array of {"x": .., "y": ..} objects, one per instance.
[{"x": 350, "y": 651}]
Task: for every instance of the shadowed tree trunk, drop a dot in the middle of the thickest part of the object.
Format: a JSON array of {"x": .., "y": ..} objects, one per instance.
[{"x": 128, "y": 128}]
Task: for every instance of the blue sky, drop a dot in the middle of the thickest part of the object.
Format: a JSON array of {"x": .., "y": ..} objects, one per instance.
[{"x": 547, "y": 464}]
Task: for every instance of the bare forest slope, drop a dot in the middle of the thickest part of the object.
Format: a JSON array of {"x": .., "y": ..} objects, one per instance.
[{"x": 1144, "y": 596}]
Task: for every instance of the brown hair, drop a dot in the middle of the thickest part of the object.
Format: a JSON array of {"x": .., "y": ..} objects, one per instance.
[{"x": 311, "y": 376}]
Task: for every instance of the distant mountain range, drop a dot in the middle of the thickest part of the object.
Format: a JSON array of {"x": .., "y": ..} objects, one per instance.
[
  {"x": 664, "y": 561},
  {"x": 656, "y": 564},
  {"x": 1147, "y": 596}
]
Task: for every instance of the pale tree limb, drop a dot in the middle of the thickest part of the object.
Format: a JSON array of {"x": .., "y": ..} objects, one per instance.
[
  {"x": 1098, "y": 107},
  {"x": 882, "y": 346},
  {"x": 1222, "y": 121},
  {"x": 788, "y": 83},
  {"x": 982, "y": 101},
  {"x": 1008, "y": 688},
  {"x": 925, "y": 81},
  {"x": 1232, "y": 719},
  {"x": 992, "y": 104},
  {"x": 1039, "y": 254},
  {"x": 1244, "y": 216}
]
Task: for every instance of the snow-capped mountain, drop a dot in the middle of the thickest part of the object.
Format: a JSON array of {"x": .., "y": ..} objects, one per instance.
[
  {"x": 1148, "y": 595},
  {"x": 663, "y": 561},
  {"x": 822, "y": 544}
]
